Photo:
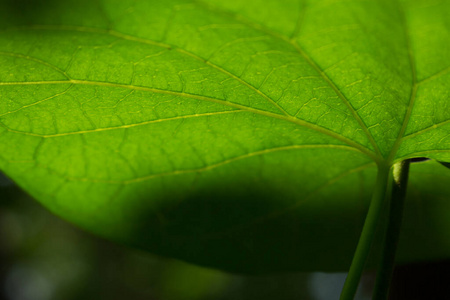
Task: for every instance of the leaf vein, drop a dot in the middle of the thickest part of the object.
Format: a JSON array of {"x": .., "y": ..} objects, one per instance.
[
  {"x": 434, "y": 126},
  {"x": 300, "y": 122},
  {"x": 414, "y": 85},
  {"x": 307, "y": 58},
  {"x": 210, "y": 167},
  {"x": 37, "y": 60}
]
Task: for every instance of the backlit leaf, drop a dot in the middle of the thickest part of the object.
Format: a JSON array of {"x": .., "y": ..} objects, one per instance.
[{"x": 236, "y": 134}]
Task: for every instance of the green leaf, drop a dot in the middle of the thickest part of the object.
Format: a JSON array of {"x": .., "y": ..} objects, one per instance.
[{"x": 237, "y": 134}]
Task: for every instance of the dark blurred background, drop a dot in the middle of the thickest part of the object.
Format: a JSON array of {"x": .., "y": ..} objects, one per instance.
[{"x": 45, "y": 258}]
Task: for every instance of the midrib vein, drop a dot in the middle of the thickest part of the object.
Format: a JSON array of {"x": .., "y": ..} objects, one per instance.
[{"x": 414, "y": 84}]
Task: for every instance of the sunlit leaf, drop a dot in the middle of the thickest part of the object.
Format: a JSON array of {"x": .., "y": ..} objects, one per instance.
[{"x": 236, "y": 134}]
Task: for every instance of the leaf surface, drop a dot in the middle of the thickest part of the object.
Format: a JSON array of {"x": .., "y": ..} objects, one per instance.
[{"x": 240, "y": 134}]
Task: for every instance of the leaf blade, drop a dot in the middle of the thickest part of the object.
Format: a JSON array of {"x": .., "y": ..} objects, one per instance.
[{"x": 177, "y": 125}]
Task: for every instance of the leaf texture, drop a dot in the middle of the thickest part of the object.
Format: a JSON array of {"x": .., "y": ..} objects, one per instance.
[{"x": 223, "y": 133}]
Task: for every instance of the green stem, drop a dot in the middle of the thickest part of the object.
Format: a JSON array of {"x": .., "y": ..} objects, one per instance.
[
  {"x": 387, "y": 263},
  {"x": 367, "y": 234}
]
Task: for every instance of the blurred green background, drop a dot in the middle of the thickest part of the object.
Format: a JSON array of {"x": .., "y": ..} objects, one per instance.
[{"x": 45, "y": 258}]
